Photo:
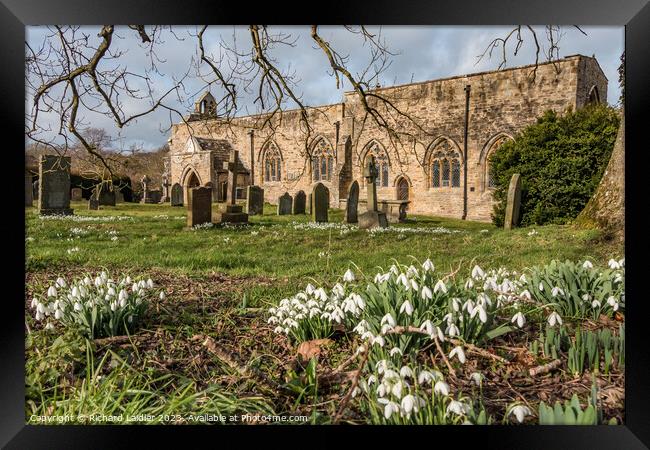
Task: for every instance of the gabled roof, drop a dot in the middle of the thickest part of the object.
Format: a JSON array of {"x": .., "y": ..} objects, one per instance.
[{"x": 221, "y": 149}]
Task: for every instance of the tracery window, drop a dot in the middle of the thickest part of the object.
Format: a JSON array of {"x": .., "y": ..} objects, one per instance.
[
  {"x": 444, "y": 166},
  {"x": 382, "y": 164},
  {"x": 272, "y": 163},
  {"x": 490, "y": 180},
  {"x": 322, "y": 160}
]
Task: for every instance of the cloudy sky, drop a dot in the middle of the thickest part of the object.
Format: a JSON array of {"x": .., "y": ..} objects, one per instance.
[{"x": 421, "y": 53}]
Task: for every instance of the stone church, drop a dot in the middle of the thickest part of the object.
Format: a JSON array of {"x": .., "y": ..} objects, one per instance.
[{"x": 423, "y": 164}]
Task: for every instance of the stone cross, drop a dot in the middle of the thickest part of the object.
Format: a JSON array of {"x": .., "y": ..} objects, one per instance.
[
  {"x": 231, "y": 167},
  {"x": 166, "y": 185},
  {"x": 370, "y": 172}
]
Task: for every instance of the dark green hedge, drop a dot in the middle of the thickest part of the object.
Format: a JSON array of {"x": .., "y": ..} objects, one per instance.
[{"x": 561, "y": 160}]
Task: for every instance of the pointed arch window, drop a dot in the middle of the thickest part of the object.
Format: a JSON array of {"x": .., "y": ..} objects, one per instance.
[
  {"x": 382, "y": 163},
  {"x": 322, "y": 161},
  {"x": 444, "y": 166},
  {"x": 490, "y": 180},
  {"x": 272, "y": 163}
]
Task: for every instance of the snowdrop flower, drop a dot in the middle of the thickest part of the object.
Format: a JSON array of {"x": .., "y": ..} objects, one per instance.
[
  {"x": 554, "y": 318},
  {"x": 426, "y": 293},
  {"x": 51, "y": 292},
  {"x": 395, "y": 351},
  {"x": 414, "y": 285},
  {"x": 111, "y": 291},
  {"x": 409, "y": 404},
  {"x": 127, "y": 280},
  {"x": 428, "y": 266},
  {"x": 469, "y": 284},
  {"x": 60, "y": 282},
  {"x": 150, "y": 283},
  {"x": 459, "y": 353},
  {"x": 456, "y": 407},
  {"x": 595, "y": 304},
  {"x": 379, "y": 341},
  {"x": 520, "y": 411},
  {"x": 556, "y": 290},
  {"x": 425, "y": 377},
  {"x": 587, "y": 265},
  {"x": 455, "y": 304},
  {"x": 613, "y": 264},
  {"x": 441, "y": 388},
  {"x": 477, "y": 272},
  {"x": 390, "y": 408},
  {"x": 388, "y": 319},
  {"x": 49, "y": 326},
  {"x": 58, "y": 314},
  {"x": 348, "y": 276},
  {"x": 406, "y": 307},
  {"x": 519, "y": 318},
  {"x": 482, "y": 315},
  {"x": 440, "y": 286},
  {"x": 611, "y": 301},
  {"x": 441, "y": 335},
  {"x": 476, "y": 378},
  {"x": 452, "y": 330},
  {"x": 77, "y": 306},
  {"x": 309, "y": 289},
  {"x": 162, "y": 295},
  {"x": 34, "y": 303},
  {"x": 526, "y": 294},
  {"x": 427, "y": 326},
  {"x": 397, "y": 389},
  {"x": 541, "y": 286},
  {"x": 406, "y": 372}
]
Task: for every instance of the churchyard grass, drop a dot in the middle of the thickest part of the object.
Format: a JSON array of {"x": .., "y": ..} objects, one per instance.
[{"x": 206, "y": 346}]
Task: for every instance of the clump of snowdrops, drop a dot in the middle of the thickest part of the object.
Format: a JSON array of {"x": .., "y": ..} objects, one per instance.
[{"x": 99, "y": 306}]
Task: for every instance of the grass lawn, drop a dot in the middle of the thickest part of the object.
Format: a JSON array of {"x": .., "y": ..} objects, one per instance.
[{"x": 207, "y": 347}]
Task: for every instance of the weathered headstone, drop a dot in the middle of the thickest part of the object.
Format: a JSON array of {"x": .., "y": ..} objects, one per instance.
[
  {"x": 54, "y": 185},
  {"x": 119, "y": 197},
  {"x": 35, "y": 190},
  {"x": 146, "y": 198},
  {"x": 177, "y": 195},
  {"x": 514, "y": 202},
  {"x": 372, "y": 218},
  {"x": 309, "y": 203},
  {"x": 93, "y": 203},
  {"x": 352, "y": 205},
  {"x": 284, "y": 204},
  {"x": 166, "y": 196},
  {"x": 29, "y": 189},
  {"x": 234, "y": 212},
  {"x": 76, "y": 195},
  {"x": 320, "y": 202},
  {"x": 105, "y": 195},
  {"x": 155, "y": 196},
  {"x": 199, "y": 206},
  {"x": 299, "y": 201},
  {"x": 254, "y": 200}
]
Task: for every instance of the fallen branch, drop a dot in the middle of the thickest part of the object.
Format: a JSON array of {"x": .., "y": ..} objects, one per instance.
[
  {"x": 355, "y": 382},
  {"x": 479, "y": 351},
  {"x": 545, "y": 368}
]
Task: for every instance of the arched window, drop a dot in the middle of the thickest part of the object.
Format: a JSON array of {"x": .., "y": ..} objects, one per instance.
[
  {"x": 382, "y": 163},
  {"x": 272, "y": 163},
  {"x": 322, "y": 161},
  {"x": 444, "y": 166},
  {"x": 490, "y": 180},
  {"x": 594, "y": 96}
]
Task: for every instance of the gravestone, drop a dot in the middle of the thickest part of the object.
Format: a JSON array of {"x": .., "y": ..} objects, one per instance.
[
  {"x": 93, "y": 203},
  {"x": 352, "y": 205},
  {"x": 514, "y": 202},
  {"x": 155, "y": 196},
  {"x": 146, "y": 197},
  {"x": 320, "y": 203},
  {"x": 199, "y": 206},
  {"x": 254, "y": 200},
  {"x": 309, "y": 203},
  {"x": 165, "y": 192},
  {"x": 35, "y": 190},
  {"x": 76, "y": 195},
  {"x": 119, "y": 197},
  {"x": 177, "y": 195},
  {"x": 372, "y": 218},
  {"x": 299, "y": 201},
  {"x": 29, "y": 189},
  {"x": 54, "y": 185},
  {"x": 234, "y": 212},
  {"x": 284, "y": 204},
  {"x": 105, "y": 195}
]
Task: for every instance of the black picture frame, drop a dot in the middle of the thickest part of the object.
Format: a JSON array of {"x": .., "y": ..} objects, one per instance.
[{"x": 634, "y": 15}]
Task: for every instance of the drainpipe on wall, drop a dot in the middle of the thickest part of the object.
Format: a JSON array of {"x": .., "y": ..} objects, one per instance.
[
  {"x": 251, "y": 133},
  {"x": 467, "y": 90}
]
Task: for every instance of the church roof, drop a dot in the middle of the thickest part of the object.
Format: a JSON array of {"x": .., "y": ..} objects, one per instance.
[{"x": 221, "y": 149}]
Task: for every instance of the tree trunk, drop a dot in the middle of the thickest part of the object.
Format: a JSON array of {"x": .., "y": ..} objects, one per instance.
[{"x": 606, "y": 208}]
